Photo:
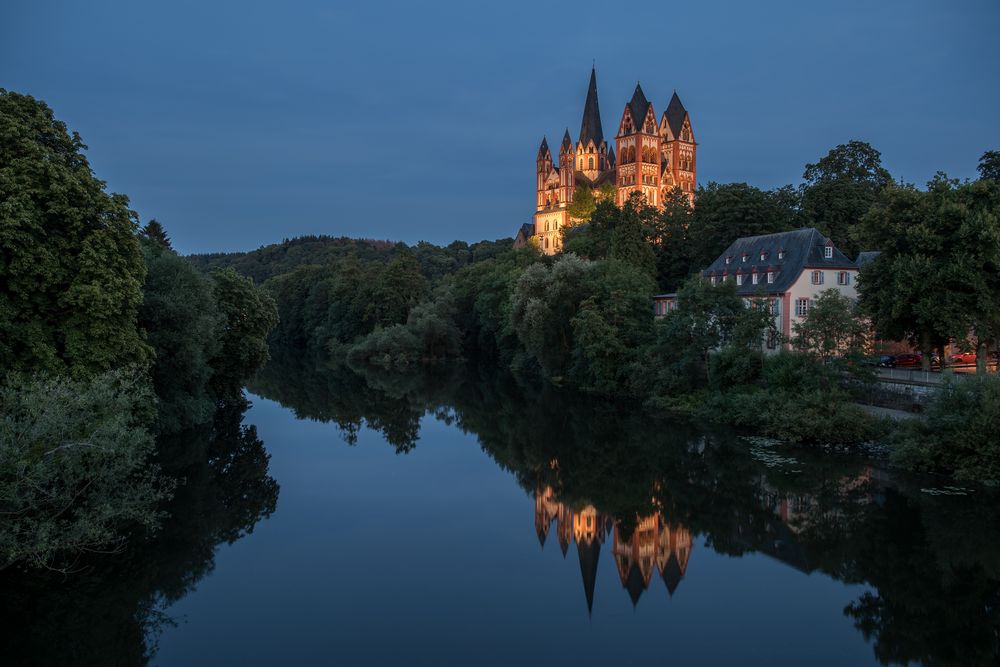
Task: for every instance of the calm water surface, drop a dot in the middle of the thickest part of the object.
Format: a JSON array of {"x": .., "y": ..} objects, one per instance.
[{"x": 440, "y": 521}]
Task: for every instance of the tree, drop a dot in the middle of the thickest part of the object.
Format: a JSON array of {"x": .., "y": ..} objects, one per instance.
[
  {"x": 248, "y": 314},
  {"x": 181, "y": 320},
  {"x": 840, "y": 188},
  {"x": 724, "y": 213},
  {"x": 936, "y": 279},
  {"x": 832, "y": 327},
  {"x": 628, "y": 243},
  {"x": 398, "y": 288},
  {"x": 155, "y": 232},
  {"x": 672, "y": 241},
  {"x": 70, "y": 261},
  {"x": 583, "y": 204},
  {"x": 74, "y": 468},
  {"x": 989, "y": 166}
]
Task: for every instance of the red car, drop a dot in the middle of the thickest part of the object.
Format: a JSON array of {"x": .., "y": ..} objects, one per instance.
[
  {"x": 909, "y": 359},
  {"x": 964, "y": 358}
]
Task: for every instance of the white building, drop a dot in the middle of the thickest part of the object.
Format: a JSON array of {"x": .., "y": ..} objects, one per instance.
[{"x": 789, "y": 269}]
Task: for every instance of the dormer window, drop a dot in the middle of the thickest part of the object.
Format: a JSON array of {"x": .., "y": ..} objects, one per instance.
[
  {"x": 754, "y": 278},
  {"x": 763, "y": 255},
  {"x": 781, "y": 254},
  {"x": 739, "y": 278},
  {"x": 711, "y": 279},
  {"x": 828, "y": 252},
  {"x": 728, "y": 259},
  {"x": 770, "y": 277},
  {"x": 746, "y": 256}
]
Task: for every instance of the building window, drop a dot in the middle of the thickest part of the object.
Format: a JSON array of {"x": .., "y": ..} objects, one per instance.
[
  {"x": 590, "y": 163},
  {"x": 817, "y": 277},
  {"x": 828, "y": 252},
  {"x": 739, "y": 278},
  {"x": 772, "y": 339},
  {"x": 763, "y": 255},
  {"x": 781, "y": 254},
  {"x": 754, "y": 278},
  {"x": 728, "y": 259},
  {"x": 770, "y": 277},
  {"x": 712, "y": 279},
  {"x": 802, "y": 307},
  {"x": 843, "y": 278},
  {"x": 746, "y": 256},
  {"x": 775, "y": 306}
]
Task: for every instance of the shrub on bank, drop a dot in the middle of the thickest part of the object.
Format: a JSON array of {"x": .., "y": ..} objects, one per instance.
[
  {"x": 74, "y": 468},
  {"x": 960, "y": 432}
]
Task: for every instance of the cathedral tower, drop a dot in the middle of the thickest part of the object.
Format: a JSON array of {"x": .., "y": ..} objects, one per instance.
[
  {"x": 638, "y": 143},
  {"x": 679, "y": 148}
]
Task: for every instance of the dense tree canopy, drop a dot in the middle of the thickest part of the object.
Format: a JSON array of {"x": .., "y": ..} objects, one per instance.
[
  {"x": 840, "y": 188},
  {"x": 70, "y": 262}
]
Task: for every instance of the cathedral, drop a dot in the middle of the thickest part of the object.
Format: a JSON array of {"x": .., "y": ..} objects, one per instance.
[{"x": 653, "y": 158}]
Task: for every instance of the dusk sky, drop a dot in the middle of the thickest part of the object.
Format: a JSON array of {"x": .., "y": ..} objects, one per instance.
[{"x": 238, "y": 124}]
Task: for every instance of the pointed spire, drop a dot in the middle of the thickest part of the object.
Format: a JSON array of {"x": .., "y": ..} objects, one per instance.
[
  {"x": 638, "y": 106},
  {"x": 543, "y": 150},
  {"x": 675, "y": 115},
  {"x": 567, "y": 143},
  {"x": 590, "y": 127}
]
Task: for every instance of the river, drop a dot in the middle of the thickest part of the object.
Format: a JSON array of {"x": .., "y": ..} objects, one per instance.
[{"x": 457, "y": 520}]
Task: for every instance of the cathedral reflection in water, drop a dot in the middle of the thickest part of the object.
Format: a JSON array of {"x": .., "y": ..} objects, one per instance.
[{"x": 654, "y": 545}]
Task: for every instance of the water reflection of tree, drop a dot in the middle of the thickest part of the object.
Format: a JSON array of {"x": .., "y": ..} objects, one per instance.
[
  {"x": 932, "y": 563},
  {"x": 112, "y": 612}
]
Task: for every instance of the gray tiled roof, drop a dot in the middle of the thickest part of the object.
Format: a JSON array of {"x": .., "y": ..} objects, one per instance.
[
  {"x": 803, "y": 249},
  {"x": 866, "y": 257}
]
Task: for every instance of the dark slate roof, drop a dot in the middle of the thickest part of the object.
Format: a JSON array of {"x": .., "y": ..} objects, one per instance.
[
  {"x": 607, "y": 176},
  {"x": 543, "y": 150},
  {"x": 567, "y": 143},
  {"x": 590, "y": 127},
  {"x": 526, "y": 230},
  {"x": 675, "y": 114},
  {"x": 638, "y": 106},
  {"x": 866, "y": 257},
  {"x": 803, "y": 250}
]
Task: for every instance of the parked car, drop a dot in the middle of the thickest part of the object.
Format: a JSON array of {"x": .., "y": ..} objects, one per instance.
[
  {"x": 964, "y": 358},
  {"x": 884, "y": 361},
  {"x": 908, "y": 360}
]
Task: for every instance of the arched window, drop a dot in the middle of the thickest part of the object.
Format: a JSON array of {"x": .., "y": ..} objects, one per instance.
[{"x": 590, "y": 163}]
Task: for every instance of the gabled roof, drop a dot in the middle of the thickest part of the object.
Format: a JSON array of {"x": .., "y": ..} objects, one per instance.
[
  {"x": 803, "y": 249},
  {"x": 543, "y": 150},
  {"x": 611, "y": 157},
  {"x": 638, "y": 106},
  {"x": 675, "y": 115},
  {"x": 590, "y": 127}
]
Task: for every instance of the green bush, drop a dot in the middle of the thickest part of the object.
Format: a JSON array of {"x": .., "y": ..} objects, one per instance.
[
  {"x": 74, "y": 466},
  {"x": 960, "y": 433}
]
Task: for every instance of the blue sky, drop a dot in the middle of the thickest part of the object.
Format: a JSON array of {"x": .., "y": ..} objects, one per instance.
[{"x": 241, "y": 123}]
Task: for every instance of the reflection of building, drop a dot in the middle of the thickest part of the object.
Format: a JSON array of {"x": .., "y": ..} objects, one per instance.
[{"x": 654, "y": 545}]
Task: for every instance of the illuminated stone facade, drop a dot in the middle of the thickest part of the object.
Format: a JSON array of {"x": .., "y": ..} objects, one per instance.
[{"x": 653, "y": 158}]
